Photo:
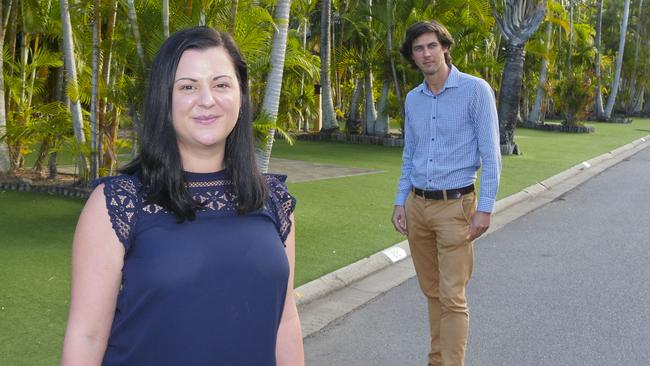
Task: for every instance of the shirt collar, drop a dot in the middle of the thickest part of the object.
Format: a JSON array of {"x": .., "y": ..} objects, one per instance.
[{"x": 451, "y": 82}]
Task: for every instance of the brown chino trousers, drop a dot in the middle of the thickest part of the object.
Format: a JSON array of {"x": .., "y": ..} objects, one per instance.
[{"x": 438, "y": 235}]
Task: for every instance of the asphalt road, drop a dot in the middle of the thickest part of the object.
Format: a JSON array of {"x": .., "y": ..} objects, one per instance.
[{"x": 567, "y": 284}]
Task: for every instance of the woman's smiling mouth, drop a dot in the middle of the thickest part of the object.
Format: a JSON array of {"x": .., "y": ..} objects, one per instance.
[{"x": 204, "y": 120}]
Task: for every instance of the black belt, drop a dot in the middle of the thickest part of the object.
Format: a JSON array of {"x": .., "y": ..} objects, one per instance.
[{"x": 445, "y": 194}]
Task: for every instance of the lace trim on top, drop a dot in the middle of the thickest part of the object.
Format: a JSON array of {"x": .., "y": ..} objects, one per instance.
[
  {"x": 124, "y": 200},
  {"x": 282, "y": 203}
]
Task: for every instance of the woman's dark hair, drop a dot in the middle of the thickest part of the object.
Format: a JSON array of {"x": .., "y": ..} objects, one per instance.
[
  {"x": 420, "y": 28},
  {"x": 159, "y": 164}
]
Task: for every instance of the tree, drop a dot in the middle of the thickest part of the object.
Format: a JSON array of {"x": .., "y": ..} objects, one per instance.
[
  {"x": 165, "y": 18},
  {"x": 619, "y": 62},
  {"x": 4, "y": 151},
  {"x": 518, "y": 22},
  {"x": 71, "y": 76},
  {"x": 634, "y": 88},
  {"x": 598, "y": 106},
  {"x": 327, "y": 103},
  {"x": 534, "y": 116},
  {"x": 273, "y": 87}
]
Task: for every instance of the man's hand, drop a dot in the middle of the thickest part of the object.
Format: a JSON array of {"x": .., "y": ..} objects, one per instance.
[
  {"x": 480, "y": 222},
  {"x": 399, "y": 219}
]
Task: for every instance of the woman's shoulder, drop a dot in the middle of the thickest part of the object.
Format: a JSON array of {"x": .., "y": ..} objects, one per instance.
[
  {"x": 123, "y": 195},
  {"x": 275, "y": 180},
  {"x": 281, "y": 203},
  {"x": 277, "y": 186}
]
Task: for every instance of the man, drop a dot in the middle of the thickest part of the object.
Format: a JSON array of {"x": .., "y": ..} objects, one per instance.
[{"x": 451, "y": 130}]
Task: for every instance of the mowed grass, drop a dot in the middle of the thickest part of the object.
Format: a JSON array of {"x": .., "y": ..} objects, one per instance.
[
  {"x": 339, "y": 221},
  {"x": 35, "y": 235}
]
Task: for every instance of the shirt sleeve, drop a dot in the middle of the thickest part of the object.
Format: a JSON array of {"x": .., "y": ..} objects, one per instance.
[
  {"x": 281, "y": 204},
  {"x": 404, "y": 185},
  {"x": 484, "y": 113}
]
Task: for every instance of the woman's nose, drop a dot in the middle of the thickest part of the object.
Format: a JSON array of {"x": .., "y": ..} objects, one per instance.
[{"x": 207, "y": 99}]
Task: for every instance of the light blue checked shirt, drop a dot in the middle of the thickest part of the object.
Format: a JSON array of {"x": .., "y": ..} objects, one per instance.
[{"x": 448, "y": 136}]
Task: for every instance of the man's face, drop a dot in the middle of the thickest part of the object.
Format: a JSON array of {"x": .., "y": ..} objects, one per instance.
[{"x": 428, "y": 54}]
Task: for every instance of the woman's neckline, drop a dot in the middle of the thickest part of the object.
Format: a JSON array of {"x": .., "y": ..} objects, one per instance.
[{"x": 203, "y": 177}]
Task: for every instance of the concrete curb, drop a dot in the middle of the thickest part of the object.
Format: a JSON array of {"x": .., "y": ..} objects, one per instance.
[
  {"x": 363, "y": 268},
  {"x": 351, "y": 273}
]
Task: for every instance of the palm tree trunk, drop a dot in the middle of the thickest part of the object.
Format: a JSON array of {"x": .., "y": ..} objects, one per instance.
[
  {"x": 109, "y": 131},
  {"x": 381, "y": 126},
  {"x": 509, "y": 97},
  {"x": 619, "y": 62},
  {"x": 370, "y": 112},
  {"x": 165, "y": 18},
  {"x": 5, "y": 20},
  {"x": 353, "y": 114},
  {"x": 133, "y": 19},
  {"x": 32, "y": 77},
  {"x": 637, "y": 90},
  {"x": 57, "y": 95},
  {"x": 520, "y": 20},
  {"x": 598, "y": 103},
  {"x": 391, "y": 60},
  {"x": 4, "y": 150},
  {"x": 533, "y": 118},
  {"x": 106, "y": 77},
  {"x": 569, "y": 53},
  {"x": 271, "y": 101},
  {"x": 327, "y": 104},
  {"x": 71, "y": 70},
  {"x": 303, "y": 121},
  {"x": 94, "y": 130},
  {"x": 233, "y": 16}
]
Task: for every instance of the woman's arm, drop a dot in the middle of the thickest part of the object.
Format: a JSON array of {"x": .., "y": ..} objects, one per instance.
[
  {"x": 97, "y": 258},
  {"x": 289, "y": 350}
]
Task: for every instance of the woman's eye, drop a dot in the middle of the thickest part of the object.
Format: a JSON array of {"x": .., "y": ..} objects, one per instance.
[
  {"x": 222, "y": 85},
  {"x": 186, "y": 87}
]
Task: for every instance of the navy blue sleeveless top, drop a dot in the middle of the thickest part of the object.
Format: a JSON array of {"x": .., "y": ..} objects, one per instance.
[{"x": 204, "y": 292}]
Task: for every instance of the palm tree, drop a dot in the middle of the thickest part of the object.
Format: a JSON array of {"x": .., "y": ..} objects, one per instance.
[
  {"x": 598, "y": 105},
  {"x": 619, "y": 62},
  {"x": 133, "y": 19},
  {"x": 4, "y": 151},
  {"x": 534, "y": 116},
  {"x": 370, "y": 111},
  {"x": 165, "y": 17},
  {"x": 274, "y": 80},
  {"x": 390, "y": 25},
  {"x": 71, "y": 70},
  {"x": 327, "y": 103},
  {"x": 233, "y": 15},
  {"x": 518, "y": 22},
  {"x": 636, "y": 90}
]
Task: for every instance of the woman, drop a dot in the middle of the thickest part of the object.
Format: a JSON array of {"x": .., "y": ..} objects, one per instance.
[{"x": 180, "y": 261}]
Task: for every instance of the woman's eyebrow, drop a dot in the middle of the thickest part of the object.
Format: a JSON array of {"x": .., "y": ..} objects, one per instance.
[{"x": 195, "y": 80}]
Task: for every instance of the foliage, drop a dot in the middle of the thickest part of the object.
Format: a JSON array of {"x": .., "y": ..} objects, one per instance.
[
  {"x": 574, "y": 97},
  {"x": 360, "y": 48}
]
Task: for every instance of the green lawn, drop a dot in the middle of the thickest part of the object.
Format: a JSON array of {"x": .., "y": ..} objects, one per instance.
[
  {"x": 35, "y": 235},
  {"x": 339, "y": 221}
]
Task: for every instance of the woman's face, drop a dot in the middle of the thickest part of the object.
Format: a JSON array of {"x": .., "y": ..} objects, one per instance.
[{"x": 205, "y": 99}]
